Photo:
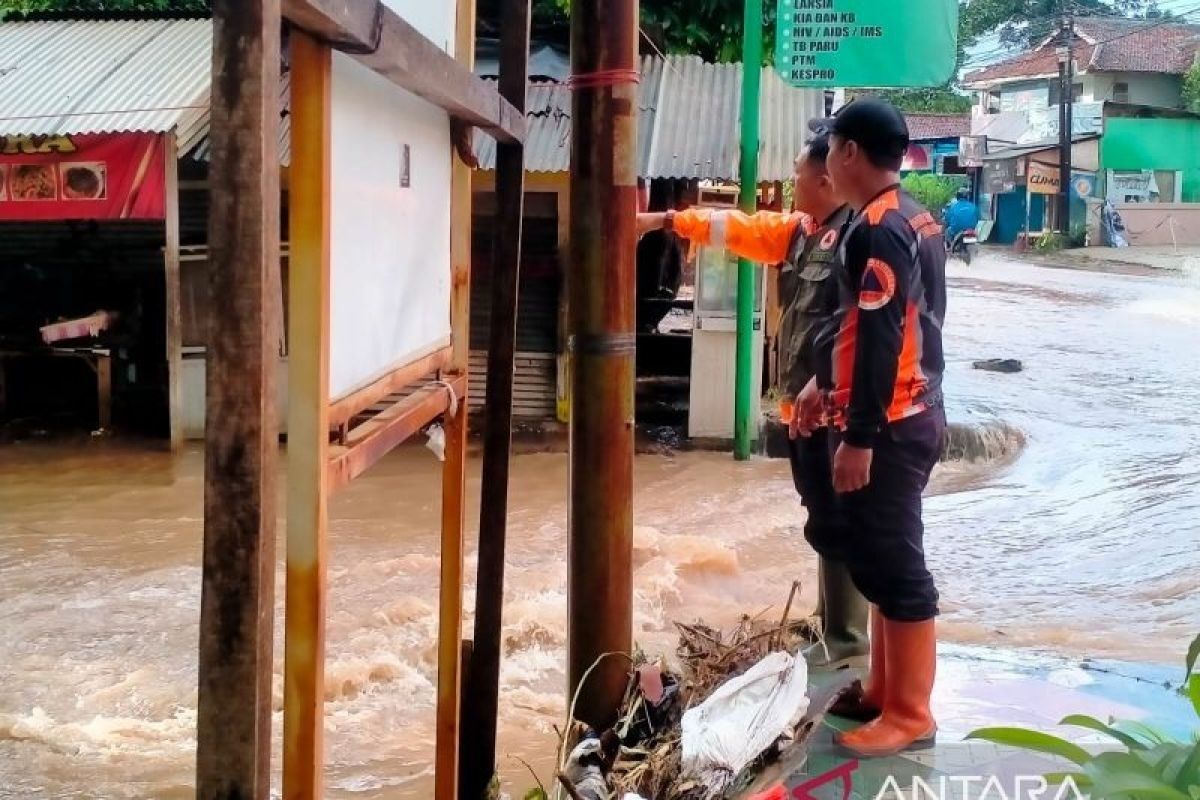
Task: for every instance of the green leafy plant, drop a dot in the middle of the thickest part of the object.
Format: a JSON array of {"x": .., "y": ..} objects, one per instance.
[
  {"x": 1191, "y": 88},
  {"x": 1049, "y": 242},
  {"x": 100, "y": 7},
  {"x": 932, "y": 191},
  {"x": 932, "y": 100},
  {"x": 1150, "y": 764}
]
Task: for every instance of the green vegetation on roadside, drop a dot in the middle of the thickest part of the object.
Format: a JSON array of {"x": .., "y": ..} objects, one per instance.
[
  {"x": 933, "y": 191},
  {"x": 1149, "y": 764}
]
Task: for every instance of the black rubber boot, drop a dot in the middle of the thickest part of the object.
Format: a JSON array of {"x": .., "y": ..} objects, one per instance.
[{"x": 845, "y": 620}]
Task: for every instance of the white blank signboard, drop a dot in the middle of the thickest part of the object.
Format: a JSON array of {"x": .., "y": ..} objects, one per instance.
[{"x": 390, "y": 218}]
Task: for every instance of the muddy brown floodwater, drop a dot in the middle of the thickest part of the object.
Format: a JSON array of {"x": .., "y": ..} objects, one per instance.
[{"x": 1087, "y": 544}]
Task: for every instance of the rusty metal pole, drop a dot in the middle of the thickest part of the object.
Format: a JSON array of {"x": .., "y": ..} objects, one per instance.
[
  {"x": 308, "y": 419},
  {"x": 233, "y": 722},
  {"x": 482, "y": 697},
  {"x": 450, "y": 681},
  {"x": 600, "y": 283}
]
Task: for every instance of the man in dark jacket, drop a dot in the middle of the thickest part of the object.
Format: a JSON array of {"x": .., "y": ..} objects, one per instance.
[
  {"x": 805, "y": 246},
  {"x": 880, "y": 367}
]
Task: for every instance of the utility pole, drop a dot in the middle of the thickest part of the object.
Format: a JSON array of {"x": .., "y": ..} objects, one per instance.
[
  {"x": 1066, "y": 71},
  {"x": 752, "y": 37},
  {"x": 600, "y": 290},
  {"x": 1069, "y": 126},
  {"x": 481, "y": 699}
]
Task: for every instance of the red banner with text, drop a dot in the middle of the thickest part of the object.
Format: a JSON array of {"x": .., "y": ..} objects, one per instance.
[{"x": 82, "y": 176}]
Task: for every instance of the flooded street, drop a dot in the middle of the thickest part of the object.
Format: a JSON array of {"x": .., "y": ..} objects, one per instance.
[{"x": 1088, "y": 543}]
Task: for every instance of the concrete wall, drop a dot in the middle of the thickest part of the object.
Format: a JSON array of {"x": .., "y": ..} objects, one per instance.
[
  {"x": 1155, "y": 144},
  {"x": 194, "y": 375},
  {"x": 1153, "y": 223},
  {"x": 1145, "y": 88}
]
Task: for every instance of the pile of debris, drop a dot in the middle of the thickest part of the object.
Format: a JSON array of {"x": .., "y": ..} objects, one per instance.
[{"x": 736, "y": 704}]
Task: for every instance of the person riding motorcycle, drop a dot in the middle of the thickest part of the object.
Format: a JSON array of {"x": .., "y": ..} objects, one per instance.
[{"x": 959, "y": 217}]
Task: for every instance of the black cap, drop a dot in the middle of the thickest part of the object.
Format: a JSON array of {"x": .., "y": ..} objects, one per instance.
[{"x": 877, "y": 125}]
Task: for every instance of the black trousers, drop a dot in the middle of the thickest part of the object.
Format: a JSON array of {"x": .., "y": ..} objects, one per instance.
[
  {"x": 812, "y": 472},
  {"x": 885, "y": 532}
]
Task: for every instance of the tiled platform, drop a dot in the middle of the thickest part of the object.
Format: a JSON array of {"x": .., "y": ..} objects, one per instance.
[{"x": 981, "y": 688}]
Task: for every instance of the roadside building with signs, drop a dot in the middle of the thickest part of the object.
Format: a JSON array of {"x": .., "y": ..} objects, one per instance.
[
  {"x": 97, "y": 205},
  {"x": 1134, "y": 144},
  {"x": 935, "y": 142}
]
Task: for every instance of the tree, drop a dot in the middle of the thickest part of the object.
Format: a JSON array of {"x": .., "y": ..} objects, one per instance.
[
  {"x": 100, "y": 7},
  {"x": 1191, "y": 88},
  {"x": 936, "y": 100},
  {"x": 1027, "y": 22},
  {"x": 711, "y": 29}
]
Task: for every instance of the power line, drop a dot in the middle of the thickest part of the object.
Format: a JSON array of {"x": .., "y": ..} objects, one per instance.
[{"x": 1033, "y": 56}]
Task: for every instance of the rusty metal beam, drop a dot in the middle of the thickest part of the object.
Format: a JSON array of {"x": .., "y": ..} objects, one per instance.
[
  {"x": 600, "y": 285},
  {"x": 308, "y": 423},
  {"x": 482, "y": 696},
  {"x": 353, "y": 404},
  {"x": 381, "y": 434},
  {"x": 233, "y": 724},
  {"x": 379, "y": 38}
]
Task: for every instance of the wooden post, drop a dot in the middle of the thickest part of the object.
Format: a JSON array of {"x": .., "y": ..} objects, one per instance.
[
  {"x": 172, "y": 293},
  {"x": 483, "y": 693},
  {"x": 600, "y": 282},
  {"x": 308, "y": 419},
  {"x": 104, "y": 391},
  {"x": 233, "y": 725},
  {"x": 454, "y": 474},
  {"x": 562, "y": 389}
]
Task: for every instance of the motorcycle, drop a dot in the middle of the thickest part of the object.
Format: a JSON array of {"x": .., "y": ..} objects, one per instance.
[{"x": 964, "y": 246}]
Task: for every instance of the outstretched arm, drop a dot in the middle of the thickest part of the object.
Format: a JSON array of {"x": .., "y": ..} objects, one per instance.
[{"x": 764, "y": 237}]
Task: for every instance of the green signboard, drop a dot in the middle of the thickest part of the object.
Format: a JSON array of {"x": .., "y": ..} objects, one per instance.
[{"x": 875, "y": 43}]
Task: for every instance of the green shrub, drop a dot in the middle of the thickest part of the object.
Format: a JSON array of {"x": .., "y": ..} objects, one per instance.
[
  {"x": 1151, "y": 766},
  {"x": 932, "y": 191},
  {"x": 1049, "y": 242},
  {"x": 1191, "y": 89}
]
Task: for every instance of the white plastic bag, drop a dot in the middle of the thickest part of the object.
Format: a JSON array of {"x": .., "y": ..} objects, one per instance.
[{"x": 744, "y": 716}]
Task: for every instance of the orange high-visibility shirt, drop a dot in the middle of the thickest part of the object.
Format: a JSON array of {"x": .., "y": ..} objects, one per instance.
[{"x": 765, "y": 237}]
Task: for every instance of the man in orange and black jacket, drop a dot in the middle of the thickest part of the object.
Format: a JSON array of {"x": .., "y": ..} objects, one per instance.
[
  {"x": 805, "y": 246},
  {"x": 879, "y": 386}
]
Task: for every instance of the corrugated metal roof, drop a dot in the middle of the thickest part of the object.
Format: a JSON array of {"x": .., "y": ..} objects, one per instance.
[
  {"x": 924, "y": 127},
  {"x": 547, "y": 132},
  {"x": 689, "y": 116},
  {"x": 200, "y": 146},
  {"x": 97, "y": 76}
]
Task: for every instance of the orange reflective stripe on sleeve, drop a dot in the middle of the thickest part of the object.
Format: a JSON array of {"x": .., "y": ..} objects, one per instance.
[{"x": 910, "y": 380}]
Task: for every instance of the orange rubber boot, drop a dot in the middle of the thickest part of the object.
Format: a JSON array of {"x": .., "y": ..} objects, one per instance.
[
  {"x": 906, "y": 721},
  {"x": 863, "y": 701},
  {"x": 777, "y": 792}
]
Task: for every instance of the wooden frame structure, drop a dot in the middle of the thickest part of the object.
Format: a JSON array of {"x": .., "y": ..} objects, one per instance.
[
  {"x": 172, "y": 293},
  {"x": 329, "y": 443}
]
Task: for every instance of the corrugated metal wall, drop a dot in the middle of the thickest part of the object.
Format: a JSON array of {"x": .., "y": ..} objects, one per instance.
[{"x": 537, "y": 303}]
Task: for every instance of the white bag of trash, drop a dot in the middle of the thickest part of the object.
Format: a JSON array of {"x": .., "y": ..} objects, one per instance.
[{"x": 743, "y": 717}]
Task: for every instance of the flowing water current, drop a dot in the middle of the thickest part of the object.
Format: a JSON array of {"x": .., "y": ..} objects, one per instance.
[{"x": 1085, "y": 541}]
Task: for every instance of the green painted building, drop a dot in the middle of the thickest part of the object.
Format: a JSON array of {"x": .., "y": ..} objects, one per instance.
[{"x": 1168, "y": 147}]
